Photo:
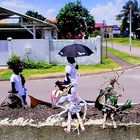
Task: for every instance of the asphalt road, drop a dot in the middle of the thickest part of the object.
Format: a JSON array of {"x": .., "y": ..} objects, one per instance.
[{"x": 88, "y": 86}]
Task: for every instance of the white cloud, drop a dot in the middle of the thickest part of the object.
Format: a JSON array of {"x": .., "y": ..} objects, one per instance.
[
  {"x": 50, "y": 12},
  {"x": 16, "y": 5},
  {"x": 23, "y": 6},
  {"x": 107, "y": 12},
  {"x": 100, "y": 12}
]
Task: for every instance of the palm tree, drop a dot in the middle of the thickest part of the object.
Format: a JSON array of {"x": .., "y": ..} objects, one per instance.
[{"x": 125, "y": 13}]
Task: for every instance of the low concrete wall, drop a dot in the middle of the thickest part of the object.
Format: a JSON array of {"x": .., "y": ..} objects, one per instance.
[
  {"x": 47, "y": 50},
  {"x": 47, "y": 132}
]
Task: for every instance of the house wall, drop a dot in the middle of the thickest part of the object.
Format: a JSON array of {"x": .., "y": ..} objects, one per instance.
[
  {"x": 47, "y": 50},
  {"x": 4, "y": 54},
  {"x": 47, "y": 34}
]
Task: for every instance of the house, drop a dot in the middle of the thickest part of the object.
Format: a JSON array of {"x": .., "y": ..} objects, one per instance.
[
  {"x": 112, "y": 30},
  {"x": 108, "y": 30},
  {"x": 19, "y": 26},
  {"x": 52, "y": 20},
  {"x": 137, "y": 32},
  {"x": 98, "y": 26}
]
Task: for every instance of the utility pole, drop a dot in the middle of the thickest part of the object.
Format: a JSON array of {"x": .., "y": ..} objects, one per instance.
[
  {"x": 106, "y": 43},
  {"x": 102, "y": 38},
  {"x": 130, "y": 27}
]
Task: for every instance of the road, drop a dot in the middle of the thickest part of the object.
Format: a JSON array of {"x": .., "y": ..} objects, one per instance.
[{"x": 88, "y": 86}]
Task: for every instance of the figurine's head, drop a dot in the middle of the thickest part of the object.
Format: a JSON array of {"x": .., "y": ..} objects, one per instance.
[
  {"x": 60, "y": 85},
  {"x": 16, "y": 65},
  {"x": 113, "y": 81},
  {"x": 71, "y": 60}
]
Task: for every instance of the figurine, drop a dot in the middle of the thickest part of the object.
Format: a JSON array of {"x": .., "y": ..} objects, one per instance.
[
  {"x": 110, "y": 105},
  {"x": 71, "y": 105}
]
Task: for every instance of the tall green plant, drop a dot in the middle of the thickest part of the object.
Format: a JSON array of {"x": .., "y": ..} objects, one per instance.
[
  {"x": 124, "y": 15},
  {"x": 35, "y": 15},
  {"x": 74, "y": 19}
]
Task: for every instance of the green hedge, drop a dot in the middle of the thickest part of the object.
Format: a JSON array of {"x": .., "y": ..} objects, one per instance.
[{"x": 28, "y": 64}]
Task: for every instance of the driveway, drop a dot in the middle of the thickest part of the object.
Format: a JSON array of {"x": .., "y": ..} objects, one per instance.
[{"x": 88, "y": 86}]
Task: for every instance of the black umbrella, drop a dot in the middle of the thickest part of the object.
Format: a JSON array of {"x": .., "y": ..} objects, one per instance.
[{"x": 75, "y": 50}]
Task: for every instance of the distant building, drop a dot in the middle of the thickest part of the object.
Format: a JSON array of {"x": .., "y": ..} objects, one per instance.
[
  {"x": 116, "y": 29},
  {"x": 108, "y": 30},
  {"x": 19, "y": 26},
  {"x": 137, "y": 32},
  {"x": 52, "y": 20},
  {"x": 98, "y": 26},
  {"x": 112, "y": 30}
]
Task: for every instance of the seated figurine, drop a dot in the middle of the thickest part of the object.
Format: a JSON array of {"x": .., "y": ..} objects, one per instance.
[{"x": 109, "y": 106}]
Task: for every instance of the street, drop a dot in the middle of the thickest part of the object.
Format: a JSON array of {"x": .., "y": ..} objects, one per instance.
[{"x": 88, "y": 86}]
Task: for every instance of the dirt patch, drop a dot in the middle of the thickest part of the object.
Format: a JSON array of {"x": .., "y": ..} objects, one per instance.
[{"x": 40, "y": 113}]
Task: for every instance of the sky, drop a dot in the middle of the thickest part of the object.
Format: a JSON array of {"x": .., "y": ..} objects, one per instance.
[{"x": 100, "y": 9}]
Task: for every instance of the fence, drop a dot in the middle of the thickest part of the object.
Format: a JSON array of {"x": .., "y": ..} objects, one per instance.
[
  {"x": 3, "y": 52},
  {"x": 47, "y": 50}
]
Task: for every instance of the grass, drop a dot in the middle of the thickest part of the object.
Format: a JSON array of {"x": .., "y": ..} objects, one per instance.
[
  {"x": 125, "y": 41},
  {"x": 5, "y": 74},
  {"x": 106, "y": 65},
  {"x": 125, "y": 56}
]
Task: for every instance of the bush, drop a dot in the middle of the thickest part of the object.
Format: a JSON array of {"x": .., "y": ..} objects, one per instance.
[
  {"x": 27, "y": 63},
  {"x": 95, "y": 33},
  {"x": 30, "y": 64},
  {"x": 13, "y": 60}
]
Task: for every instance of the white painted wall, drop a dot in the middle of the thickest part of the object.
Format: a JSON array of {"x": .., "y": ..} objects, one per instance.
[
  {"x": 47, "y": 50},
  {"x": 35, "y": 49},
  {"x": 94, "y": 44}
]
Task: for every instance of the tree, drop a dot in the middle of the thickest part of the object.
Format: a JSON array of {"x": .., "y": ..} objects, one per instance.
[
  {"x": 125, "y": 15},
  {"x": 35, "y": 15},
  {"x": 73, "y": 20}
]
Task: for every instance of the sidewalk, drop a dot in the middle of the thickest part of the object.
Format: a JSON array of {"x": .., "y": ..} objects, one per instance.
[
  {"x": 126, "y": 49},
  {"x": 3, "y": 67},
  {"x": 124, "y": 64}
]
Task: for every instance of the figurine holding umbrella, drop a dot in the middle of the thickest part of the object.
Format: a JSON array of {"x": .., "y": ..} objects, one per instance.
[
  {"x": 75, "y": 50},
  {"x": 71, "y": 52}
]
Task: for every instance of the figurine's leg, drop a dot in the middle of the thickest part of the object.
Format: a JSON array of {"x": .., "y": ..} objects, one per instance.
[
  {"x": 77, "y": 127},
  {"x": 104, "y": 120},
  {"x": 80, "y": 122},
  {"x": 67, "y": 130},
  {"x": 113, "y": 120}
]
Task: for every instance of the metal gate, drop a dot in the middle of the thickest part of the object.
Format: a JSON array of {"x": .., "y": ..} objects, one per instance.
[{"x": 4, "y": 54}]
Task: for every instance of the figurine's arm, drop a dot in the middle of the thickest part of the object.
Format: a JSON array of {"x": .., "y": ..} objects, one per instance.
[
  {"x": 60, "y": 101},
  {"x": 110, "y": 106},
  {"x": 13, "y": 90},
  {"x": 68, "y": 78}
]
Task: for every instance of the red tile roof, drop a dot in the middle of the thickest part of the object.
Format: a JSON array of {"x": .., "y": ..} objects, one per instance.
[
  {"x": 2, "y": 21},
  {"x": 98, "y": 25},
  {"x": 52, "y": 20}
]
